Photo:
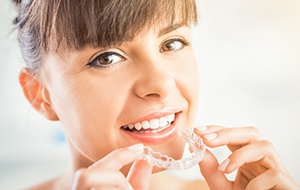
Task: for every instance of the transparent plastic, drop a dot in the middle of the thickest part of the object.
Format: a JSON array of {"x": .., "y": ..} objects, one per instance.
[{"x": 163, "y": 161}]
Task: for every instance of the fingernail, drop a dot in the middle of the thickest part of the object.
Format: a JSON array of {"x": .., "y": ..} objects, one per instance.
[
  {"x": 202, "y": 127},
  {"x": 136, "y": 147},
  {"x": 222, "y": 167},
  {"x": 210, "y": 136}
]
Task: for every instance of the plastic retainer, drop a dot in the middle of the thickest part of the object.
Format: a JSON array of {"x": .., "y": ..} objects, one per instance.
[{"x": 163, "y": 161}]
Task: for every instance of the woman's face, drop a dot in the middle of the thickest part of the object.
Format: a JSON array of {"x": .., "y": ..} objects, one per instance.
[{"x": 142, "y": 91}]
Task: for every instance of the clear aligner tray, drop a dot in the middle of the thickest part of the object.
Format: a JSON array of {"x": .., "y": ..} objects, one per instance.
[{"x": 163, "y": 161}]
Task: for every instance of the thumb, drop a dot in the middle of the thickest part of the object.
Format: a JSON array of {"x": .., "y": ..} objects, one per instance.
[
  {"x": 215, "y": 178},
  {"x": 139, "y": 175}
]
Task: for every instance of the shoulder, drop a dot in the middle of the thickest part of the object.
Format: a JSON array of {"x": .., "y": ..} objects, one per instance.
[
  {"x": 47, "y": 185},
  {"x": 162, "y": 180}
]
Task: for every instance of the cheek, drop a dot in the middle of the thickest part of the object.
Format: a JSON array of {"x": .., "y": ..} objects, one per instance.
[
  {"x": 189, "y": 84},
  {"x": 87, "y": 108},
  {"x": 192, "y": 76},
  {"x": 188, "y": 75}
]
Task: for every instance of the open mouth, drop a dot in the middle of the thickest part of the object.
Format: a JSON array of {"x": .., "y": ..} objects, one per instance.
[{"x": 152, "y": 126}]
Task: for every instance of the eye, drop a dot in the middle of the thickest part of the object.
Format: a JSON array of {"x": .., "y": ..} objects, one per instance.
[
  {"x": 173, "y": 44},
  {"x": 106, "y": 59}
]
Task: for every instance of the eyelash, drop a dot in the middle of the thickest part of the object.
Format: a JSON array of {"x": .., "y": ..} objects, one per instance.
[
  {"x": 97, "y": 64},
  {"x": 183, "y": 42},
  {"x": 105, "y": 55}
]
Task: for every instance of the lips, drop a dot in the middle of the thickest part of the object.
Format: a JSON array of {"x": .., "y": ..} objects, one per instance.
[{"x": 157, "y": 130}]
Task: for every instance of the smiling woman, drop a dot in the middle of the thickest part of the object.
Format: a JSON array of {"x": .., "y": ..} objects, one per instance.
[
  {"x": 122, "y": 74},
  {"x": 88, "y": 73}
]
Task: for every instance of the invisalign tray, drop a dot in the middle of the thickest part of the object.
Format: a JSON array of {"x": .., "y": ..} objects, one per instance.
[{"x": 163, "y": 161}]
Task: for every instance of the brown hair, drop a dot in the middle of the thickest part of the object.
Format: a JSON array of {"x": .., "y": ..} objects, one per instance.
[{"x": 73, "y": 24}]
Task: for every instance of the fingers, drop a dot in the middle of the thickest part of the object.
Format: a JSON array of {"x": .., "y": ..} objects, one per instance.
[
  {"x": 246, "y": 144},
  {"x": 139, "y": 174},
  {"x": 260, "y": 151},
  {"x": 259, "y": 166},
  {"x": 120, "y": 157},
  {"x": 214, "y": 177},
  {"x": 105, "y": 173},
  {"x": 234, "y": 138}
]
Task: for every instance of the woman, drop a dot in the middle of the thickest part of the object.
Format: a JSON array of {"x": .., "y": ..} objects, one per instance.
[{"x": 120, "y": 75}]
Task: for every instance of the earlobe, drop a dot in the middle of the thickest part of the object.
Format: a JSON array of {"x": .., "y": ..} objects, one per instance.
[{"x": 37, "y": 94}]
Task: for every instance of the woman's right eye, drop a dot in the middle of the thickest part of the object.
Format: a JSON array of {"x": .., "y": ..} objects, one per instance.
[{"x": 106, "y": 59}]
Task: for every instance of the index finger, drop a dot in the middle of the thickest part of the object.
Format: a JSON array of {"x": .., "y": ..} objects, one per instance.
[
  {"x": 229, "y": 136},
  {"x": 120, "y": 157}
]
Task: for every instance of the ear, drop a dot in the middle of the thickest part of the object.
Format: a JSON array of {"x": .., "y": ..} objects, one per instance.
[{"x": 37, "y": 94}]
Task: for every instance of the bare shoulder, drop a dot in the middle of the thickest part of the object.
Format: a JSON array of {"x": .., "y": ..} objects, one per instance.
[
  {"x": 45, "y": 185},
  {"x": 60, "y": 182},
  {"x": 161, "y": 181}
]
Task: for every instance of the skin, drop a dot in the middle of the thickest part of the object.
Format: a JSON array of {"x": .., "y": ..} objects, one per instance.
[{"x": 93, "y": 103}]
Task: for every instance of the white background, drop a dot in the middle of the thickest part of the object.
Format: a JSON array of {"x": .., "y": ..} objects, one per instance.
[{"x": 249, "y": 63}]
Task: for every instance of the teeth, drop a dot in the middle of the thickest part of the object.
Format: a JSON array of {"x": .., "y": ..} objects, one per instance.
[
  {"x": 146, "y": 125},
  {"x": 138, "y": 126},
  {"x": 171, "y": 118},
  {"x": 130, "y": 126},
  {"x": 163, "y": 121},
  {"x": 153, "y": 124}
]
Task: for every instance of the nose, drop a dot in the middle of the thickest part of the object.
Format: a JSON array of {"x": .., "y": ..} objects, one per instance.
[{"x": 155, "y": 80}]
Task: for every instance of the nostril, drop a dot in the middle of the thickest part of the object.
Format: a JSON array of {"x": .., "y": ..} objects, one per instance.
[{"x": 154, "y": 95}]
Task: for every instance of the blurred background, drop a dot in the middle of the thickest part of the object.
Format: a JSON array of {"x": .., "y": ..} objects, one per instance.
[{"x": 249, "y": 64}]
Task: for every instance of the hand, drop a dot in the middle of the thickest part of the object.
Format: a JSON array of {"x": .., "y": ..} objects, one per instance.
[
  {"x": 258, "y": 164},
  {"x": 105, "y": 173}
]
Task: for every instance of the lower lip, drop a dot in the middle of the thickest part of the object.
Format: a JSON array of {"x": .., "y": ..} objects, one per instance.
[{"x": 156, "y": 138}]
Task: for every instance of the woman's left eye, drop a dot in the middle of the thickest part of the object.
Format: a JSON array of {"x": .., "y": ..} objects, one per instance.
[
  {"x": 106, "y": 59},
  {"x": 173, "y": 44}
]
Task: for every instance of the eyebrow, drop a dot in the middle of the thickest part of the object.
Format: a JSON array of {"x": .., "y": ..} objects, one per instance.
[{"x": 169, "y": 29}]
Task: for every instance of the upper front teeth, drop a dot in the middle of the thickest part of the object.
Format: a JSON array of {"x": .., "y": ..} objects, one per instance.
[{"x": 153, "y": 123}]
